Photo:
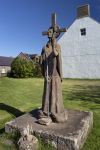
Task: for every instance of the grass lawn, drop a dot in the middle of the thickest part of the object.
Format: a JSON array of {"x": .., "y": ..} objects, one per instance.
[{"x": 22, "y": 95}]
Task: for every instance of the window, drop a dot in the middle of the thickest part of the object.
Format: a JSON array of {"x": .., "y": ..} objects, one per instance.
[
  {"x": 83, "y": 31},
  {"x": 3, "y": 70}
]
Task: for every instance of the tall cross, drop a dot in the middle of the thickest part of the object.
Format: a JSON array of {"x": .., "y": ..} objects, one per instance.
[{"x": 55, "y": 28}]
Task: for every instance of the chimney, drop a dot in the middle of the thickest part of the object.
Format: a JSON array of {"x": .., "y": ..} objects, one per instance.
[{"x": 83, "y": 11}]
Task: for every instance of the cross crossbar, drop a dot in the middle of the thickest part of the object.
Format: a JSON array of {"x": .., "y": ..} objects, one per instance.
[{"x": 55, "y": 28}]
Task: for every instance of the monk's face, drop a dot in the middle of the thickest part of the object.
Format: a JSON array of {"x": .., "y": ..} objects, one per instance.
[{"x": 50, "y": 33}]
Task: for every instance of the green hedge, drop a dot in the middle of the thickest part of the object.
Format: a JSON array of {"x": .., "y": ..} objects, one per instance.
[{"x": 21, "y": 68}]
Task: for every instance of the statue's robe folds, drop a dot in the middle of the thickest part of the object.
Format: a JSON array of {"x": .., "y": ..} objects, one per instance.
[{"x": 52, "y": 100}]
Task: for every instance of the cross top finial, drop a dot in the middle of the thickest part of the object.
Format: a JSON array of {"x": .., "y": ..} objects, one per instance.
[{"x": 54, "y": 31}]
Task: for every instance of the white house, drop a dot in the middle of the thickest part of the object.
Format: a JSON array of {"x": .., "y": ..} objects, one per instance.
[
  {"x": 5, "y": 65},
  {"x": 81, "y": 47}
]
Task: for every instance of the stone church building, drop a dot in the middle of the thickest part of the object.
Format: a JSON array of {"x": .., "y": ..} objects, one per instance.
[{"x": 81, "y": 47}]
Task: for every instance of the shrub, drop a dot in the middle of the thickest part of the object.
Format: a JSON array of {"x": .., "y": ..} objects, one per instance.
[
  {"x": 37, "y": 70},
  {"x": 21, "y": 68}
]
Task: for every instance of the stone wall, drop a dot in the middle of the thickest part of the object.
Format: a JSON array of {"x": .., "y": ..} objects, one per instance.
[{"x": 4, "y": 70}]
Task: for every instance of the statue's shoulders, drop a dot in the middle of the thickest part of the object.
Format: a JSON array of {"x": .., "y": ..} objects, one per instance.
[{"x": 47, "y": 49}]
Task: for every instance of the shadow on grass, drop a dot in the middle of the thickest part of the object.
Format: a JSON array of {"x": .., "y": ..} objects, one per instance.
[
  {"x": 83, "y": 93},
  {"x": 14, "y": 111}
]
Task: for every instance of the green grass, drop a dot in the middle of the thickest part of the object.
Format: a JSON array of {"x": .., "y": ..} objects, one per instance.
[{"x": 22, "y": 95}]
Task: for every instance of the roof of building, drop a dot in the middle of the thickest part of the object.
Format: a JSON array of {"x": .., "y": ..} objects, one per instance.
[
  {"x": 6, "y": 61},
  {"x": 28, "y": 56}
]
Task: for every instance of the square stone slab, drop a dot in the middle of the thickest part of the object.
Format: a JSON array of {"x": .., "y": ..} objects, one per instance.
[{"x": 69, "y": 135}]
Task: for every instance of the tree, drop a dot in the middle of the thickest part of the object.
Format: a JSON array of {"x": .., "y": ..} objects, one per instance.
[{"x": 21, "y": 68}]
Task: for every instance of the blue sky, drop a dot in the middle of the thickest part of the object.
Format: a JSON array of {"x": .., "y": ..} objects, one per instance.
[{"x": 22, "y": 22}]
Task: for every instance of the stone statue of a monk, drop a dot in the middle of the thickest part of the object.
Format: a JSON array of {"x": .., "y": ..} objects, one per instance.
[{"x": 51, "y": 65}]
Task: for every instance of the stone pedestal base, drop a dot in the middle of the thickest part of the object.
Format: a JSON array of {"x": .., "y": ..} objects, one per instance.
[{"x": 69, "y": 135}]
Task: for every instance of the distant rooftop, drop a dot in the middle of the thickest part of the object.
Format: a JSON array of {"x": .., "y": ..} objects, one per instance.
[
  {"x": 30, "y": 55},
  {"x": 6, "y": 61}
]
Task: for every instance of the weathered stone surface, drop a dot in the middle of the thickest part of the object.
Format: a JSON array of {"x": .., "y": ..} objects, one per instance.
[
  {"x": 29, "y": 142},
  {"x": 45, "y": 121},
  {"x": 69, "y": 135}
]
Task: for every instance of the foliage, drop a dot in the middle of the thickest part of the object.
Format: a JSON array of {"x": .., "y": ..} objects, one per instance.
[
  {"x": 21, "y": 68},
  {"x": 37, "y": 70},
  {"x": 18, "y": 96}
]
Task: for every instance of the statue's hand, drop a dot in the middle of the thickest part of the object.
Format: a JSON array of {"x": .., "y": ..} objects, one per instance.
[
  {"x": 54, "y": 46},
  {"x": 55, "y": 52},
  {"x": 55, "y": 49}
]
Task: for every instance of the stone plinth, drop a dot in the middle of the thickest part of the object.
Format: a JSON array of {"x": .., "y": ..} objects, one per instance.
[{"x": 69, "y": 135}]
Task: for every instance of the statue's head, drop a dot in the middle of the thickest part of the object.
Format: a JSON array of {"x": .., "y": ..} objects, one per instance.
[
  {"x": 53, "y": 33},
  {"x": 50, "y": 32}
]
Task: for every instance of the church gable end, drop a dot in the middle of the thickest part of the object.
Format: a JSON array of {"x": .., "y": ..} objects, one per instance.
[{"x": 81, "y": 49}]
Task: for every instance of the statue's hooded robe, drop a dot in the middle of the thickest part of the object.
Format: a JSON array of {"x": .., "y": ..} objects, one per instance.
[{"x": 51, "y": 65}]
